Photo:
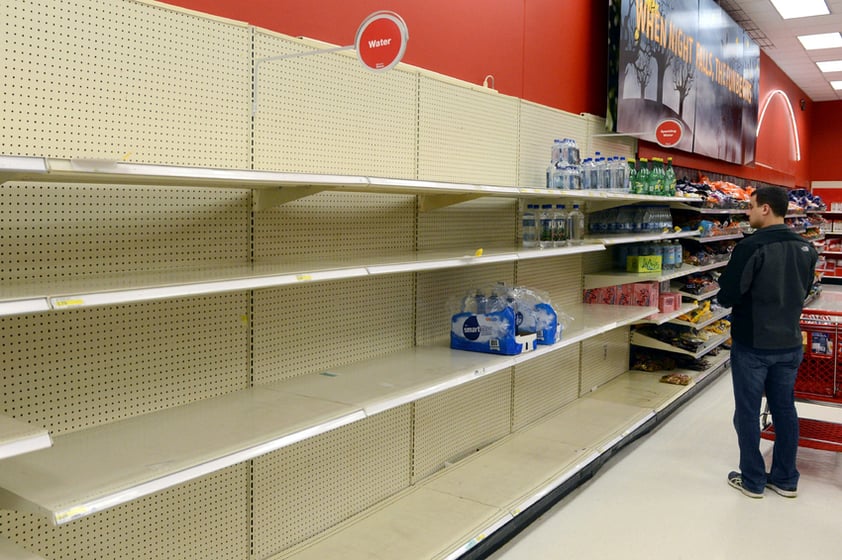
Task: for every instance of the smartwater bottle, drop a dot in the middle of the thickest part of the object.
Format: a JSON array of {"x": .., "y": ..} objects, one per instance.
[{"x": 530, "y": 226}]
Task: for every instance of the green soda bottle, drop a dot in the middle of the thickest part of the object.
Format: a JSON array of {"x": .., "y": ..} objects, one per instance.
[{"x": 641, "y": 177}]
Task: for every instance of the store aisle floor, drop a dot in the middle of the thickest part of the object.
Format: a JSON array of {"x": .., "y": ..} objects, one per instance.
[{"x": 666, "y": 497}]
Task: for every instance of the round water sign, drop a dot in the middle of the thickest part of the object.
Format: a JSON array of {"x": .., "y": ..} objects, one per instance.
[
  {"x": 668, "y": 133},
  {"x": 381, "y": 41}
]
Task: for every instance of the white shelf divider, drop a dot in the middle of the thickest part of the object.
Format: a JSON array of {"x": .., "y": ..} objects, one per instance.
[
  {"x": 18, "y": 437},
  {"x": 609, "y": 240},
  {"x": 662, "y": 318}
]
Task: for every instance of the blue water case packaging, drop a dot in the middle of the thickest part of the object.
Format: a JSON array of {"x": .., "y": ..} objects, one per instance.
[{"x": 501, "y": 319}]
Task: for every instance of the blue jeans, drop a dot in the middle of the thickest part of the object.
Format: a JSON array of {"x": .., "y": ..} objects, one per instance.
[{"x": 753, "y": 374}]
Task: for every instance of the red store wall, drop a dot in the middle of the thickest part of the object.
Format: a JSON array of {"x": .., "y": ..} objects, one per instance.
[{"x": 552, "y": 53}]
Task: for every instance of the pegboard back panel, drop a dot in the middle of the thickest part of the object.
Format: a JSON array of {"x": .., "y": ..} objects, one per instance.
[
  {"x": 303, "y": 489},
  {"x": 560, "y": 277},
  {"x": 466, "y": 135},
  {"x": 484, "y": 223},
  {"x": 202, "y": 519},
  {"x": 82, "y": 368},
  {"x": 544, "y": 385},
  {"x": 601, "y": 140},
  {"x": 309, "y": 328},
  {"x": 58, "y": 231},
  {"x": 336, "y": 226},
  {"x": 604, "y": 357},
  {"x": 124, "y": 80},
  {"x": 598, "y": 261},
  {"x": 539, "y": 126},
  {"x": 437, "y": 289},
  {"x": 452, "y": 425},
  {"x": 325, "y": 113}
]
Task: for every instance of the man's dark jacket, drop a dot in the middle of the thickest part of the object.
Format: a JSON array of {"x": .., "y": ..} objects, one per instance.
[{"x": 766, "y": 282}]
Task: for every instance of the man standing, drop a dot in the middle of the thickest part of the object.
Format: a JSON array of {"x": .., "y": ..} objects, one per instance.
[{"x": 766, "y": 282}]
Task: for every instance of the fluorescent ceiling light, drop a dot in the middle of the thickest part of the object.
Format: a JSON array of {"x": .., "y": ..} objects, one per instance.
[
  {"x": 791, "y": 9},
  {"x": 821, "y": 41},
  {"x": 836, "y": 84},
  {"x": 830, "y": 65}
]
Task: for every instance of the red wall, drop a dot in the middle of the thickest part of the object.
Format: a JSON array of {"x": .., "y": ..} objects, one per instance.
[{"x": 549, "y": 52}]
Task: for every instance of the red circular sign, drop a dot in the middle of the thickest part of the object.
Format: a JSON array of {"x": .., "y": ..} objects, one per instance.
[
  {"x": 668, "y": 133},
  {"x": 381, "y": 41}
]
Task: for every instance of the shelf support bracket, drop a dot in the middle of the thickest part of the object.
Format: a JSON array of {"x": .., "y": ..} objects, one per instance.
[
  {"x": 428, "y": 202},
  {"x": 265, "y": 199}
]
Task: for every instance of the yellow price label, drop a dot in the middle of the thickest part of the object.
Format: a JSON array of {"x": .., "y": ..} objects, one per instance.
[
  {"x": 68, "y": 302},
  {"x": 304, "y": 277}
]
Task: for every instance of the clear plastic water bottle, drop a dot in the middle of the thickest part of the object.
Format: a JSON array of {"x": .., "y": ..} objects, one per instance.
[
  {"x": 667, "y": 256},
  {"x": 576, "y": 226},
  {"x": 588, "y": 174},
  {"x": 529, "y": 222},
  {"x": 547, "y": 225},
  {"x": 630, "y": 176},
  {"x": 678, "y": 254},
  {"x": 551, "y": 172},
  {"x": 560, "y": 227}
]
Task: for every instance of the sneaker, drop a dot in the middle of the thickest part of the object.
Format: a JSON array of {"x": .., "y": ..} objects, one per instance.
[
  {"x": 785, "y": 492},
  {"x": 735, "y": 479}
]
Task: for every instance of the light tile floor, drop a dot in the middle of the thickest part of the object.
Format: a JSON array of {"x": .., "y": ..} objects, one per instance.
[{"x": 666, "y": 497}]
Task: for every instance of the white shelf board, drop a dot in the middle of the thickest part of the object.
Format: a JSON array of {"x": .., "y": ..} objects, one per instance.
[
  {"x": 696, "y": 297},
  {"x": 639, "y": 339},
  {"x": 714, "y": 238},
  {"x": 18, "y": 437},
  {"x": 611, "y": 278},
  {"x": 712, "y": 266},
  {"x": 608, "y": 240},
  {"x": 28, "y": 168},
  {"x": 662, "y": 318},
  {"x": 717, "y": 315},
  {"x": 11, "y": 551},
  {"x": 94, "y": 469},
  {"x": 33, "y": 296},
  {"x": 402, "y": 377},
  {"x": 417, "y": 523},
  {"x": 499, "y": 482}
]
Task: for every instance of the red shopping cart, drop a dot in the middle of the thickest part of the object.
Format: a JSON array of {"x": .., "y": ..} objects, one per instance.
[{"x": 818, "y": 380}]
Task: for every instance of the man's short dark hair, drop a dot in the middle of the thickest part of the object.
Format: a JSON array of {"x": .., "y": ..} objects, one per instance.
[{"x": 776, "y": 197}]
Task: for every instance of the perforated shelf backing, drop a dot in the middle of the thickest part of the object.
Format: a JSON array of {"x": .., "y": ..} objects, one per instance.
[
  {"x": 478, "y": 224},
  {"x": 325, "y": 113},
  {"x": 337, "y": 227},
  {"x": 114, "y": 80},
  {"x": 77, "y": 369},
  {"x": 545, "y": 384},
  {"x": 58, "y": 231},
  {"x": 466, "y": 135},
  {"x": 604, "y": 357},
  {"x": 539, "y": 126},
  {"x": 308, "y": 487},
  {"x": 452, "y": 425},
  {"x": 309, "y": 328},
  {"x": 205, "y": 518}
]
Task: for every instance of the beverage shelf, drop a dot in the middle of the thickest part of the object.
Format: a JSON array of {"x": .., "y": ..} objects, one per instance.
[
  {"x": 34, "y": 296},
  {"x": 467, "y": 501},
  {"x": 602, "y": 279},
  {"x": 274, "y": 188},
  {"x": 608, "y": 240},
  {"x": 94, "y": 469},
  {"x": 18, "y": 437}
]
